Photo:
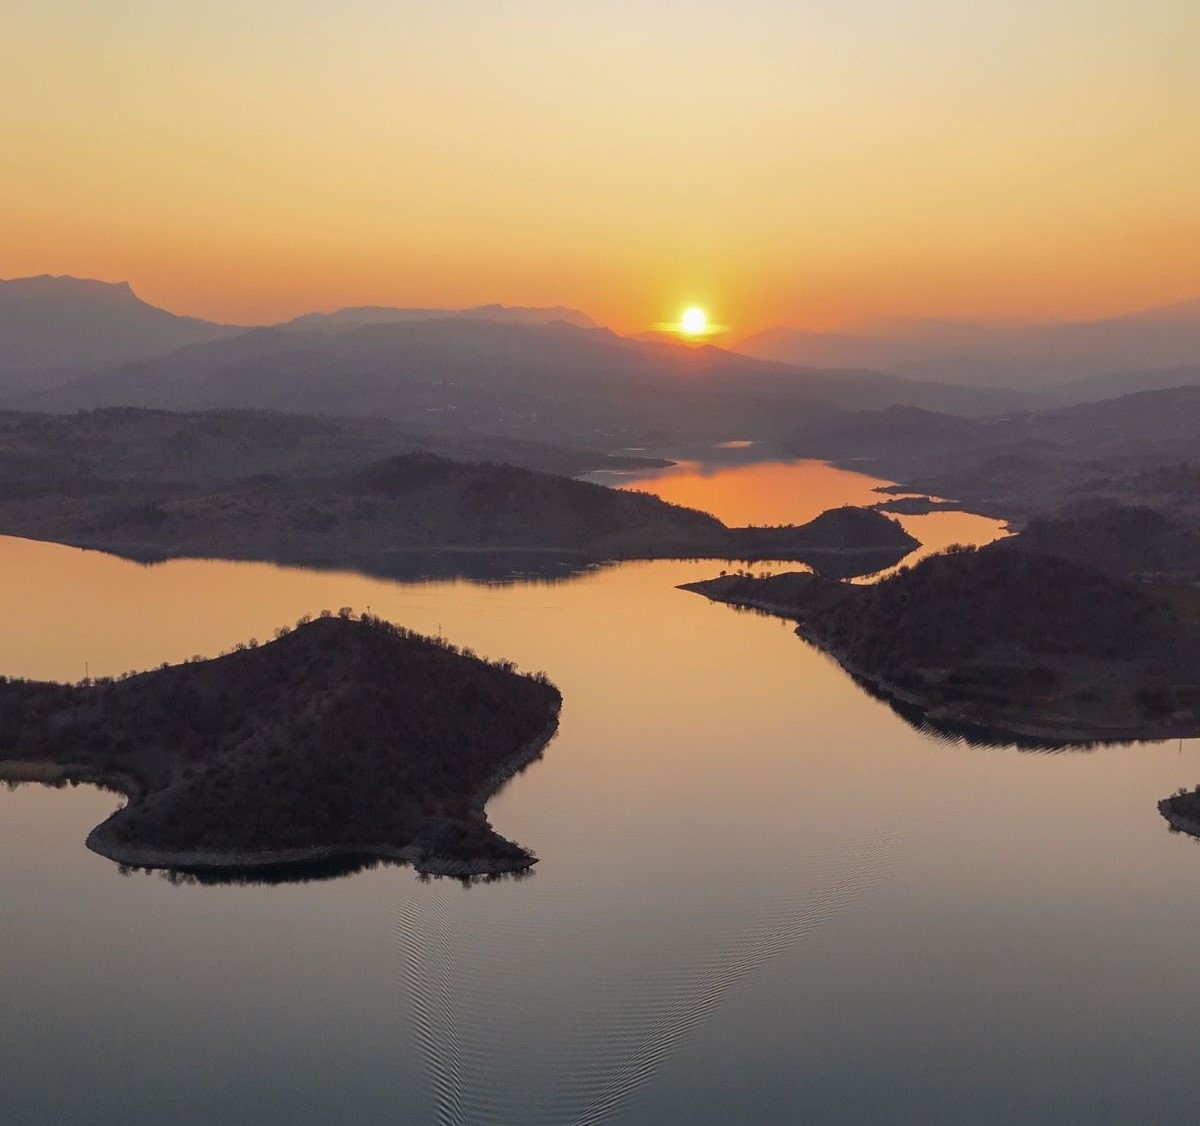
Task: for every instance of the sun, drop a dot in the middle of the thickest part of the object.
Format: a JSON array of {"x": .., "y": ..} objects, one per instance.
[
  {"x": 694, "y": 321},
  {"x": 693, "y": 325}
]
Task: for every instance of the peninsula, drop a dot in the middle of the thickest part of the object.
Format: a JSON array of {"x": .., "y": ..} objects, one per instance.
[
  {"x": 999, "y": 641},
  {"x": 342, "y": 738}
]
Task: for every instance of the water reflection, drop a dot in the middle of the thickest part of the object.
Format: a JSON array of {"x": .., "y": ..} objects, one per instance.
[
  {"x": 762, "y": 898},
  {"x": 433, "y": 565},
  {"x": 794, "y": 492},
  {"x": 308, "y": 872}
]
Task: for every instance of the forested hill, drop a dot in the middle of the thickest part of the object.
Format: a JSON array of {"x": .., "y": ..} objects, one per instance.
[
  {"x": 341, "y": 735},
  {"x": 1002, "y": 639}
]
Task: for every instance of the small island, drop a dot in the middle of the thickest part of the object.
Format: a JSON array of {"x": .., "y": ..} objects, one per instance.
[
  {"x": 916, "y": 506},
  {"x": 342, "y": 738},
  {"x": 1001, "y": 643}
]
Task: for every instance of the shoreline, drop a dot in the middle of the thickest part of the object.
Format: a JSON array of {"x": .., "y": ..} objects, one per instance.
[
  {"x": 417, "y": 853},
  {"x": 155, "y": 553},
  {"x": 1046, "y": 731}
]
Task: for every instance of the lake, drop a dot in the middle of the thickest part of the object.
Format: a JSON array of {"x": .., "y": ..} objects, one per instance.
[{"x": 763, "y": 898}]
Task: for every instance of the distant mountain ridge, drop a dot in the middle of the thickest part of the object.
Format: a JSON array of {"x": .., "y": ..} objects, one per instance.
[
  {"x": 356, "y": 315},
  {"x": 515, "y": 372},
  {"x": 552, "y": 382},
  {"x": 50, "y": 322}
]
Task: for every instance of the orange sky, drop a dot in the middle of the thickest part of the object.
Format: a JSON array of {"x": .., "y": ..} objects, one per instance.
[{"x": 804, "y": 162}]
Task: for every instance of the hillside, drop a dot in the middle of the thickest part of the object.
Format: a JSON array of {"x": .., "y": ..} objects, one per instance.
[
  {"x": 425, "y": 512},
  {"x": 223, "y": 446},
  {"x": 342, "y": 736},
  {"x": 1010, "y": 642},
  {"x": 1134, "y": 541}
]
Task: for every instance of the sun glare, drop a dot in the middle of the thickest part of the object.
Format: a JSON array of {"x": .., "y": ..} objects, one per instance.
[{"x": 694, "y": 321}]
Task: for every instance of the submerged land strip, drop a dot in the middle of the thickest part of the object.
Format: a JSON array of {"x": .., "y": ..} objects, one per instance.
[{"x": 342, "y": 738}]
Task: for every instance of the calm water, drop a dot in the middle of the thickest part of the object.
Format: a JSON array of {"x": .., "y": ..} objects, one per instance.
[{"x": 763, "y": 898}]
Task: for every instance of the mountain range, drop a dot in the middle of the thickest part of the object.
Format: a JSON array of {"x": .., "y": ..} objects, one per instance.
[
  {"x": 552, "y": 375},
  {"x": 519, "y": 373}
]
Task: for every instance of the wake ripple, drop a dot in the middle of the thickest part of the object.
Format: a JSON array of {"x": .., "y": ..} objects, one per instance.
[{"x": 465, "y": 1033}]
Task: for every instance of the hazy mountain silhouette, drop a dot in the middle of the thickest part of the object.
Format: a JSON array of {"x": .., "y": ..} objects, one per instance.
[
  {"x": 1128, "y": 382},
  {"x": 1020, "y": 355},
  {"x": 1135, "y": 450},
  {"x": 357, "y": 315},
  {"x": 552, "y": 382},
  {"x": 58, "y": 322}
]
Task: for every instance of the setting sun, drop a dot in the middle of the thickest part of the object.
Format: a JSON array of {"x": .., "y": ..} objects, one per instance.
[{"x": 694, "y": 321}]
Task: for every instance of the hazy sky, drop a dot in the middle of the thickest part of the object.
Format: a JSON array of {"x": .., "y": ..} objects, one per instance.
[{"x": 799, "y": 162}]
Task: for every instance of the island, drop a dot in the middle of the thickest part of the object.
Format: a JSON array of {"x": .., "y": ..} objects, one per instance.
[
  {"x": 343, "y": 737},
  {"x": 1007, "y": 645},
  {"x": 917, "y": 506},
  {"x": 420, "y": 513}
]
